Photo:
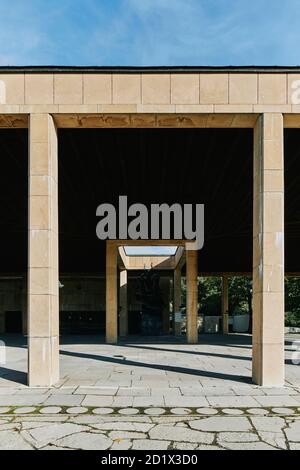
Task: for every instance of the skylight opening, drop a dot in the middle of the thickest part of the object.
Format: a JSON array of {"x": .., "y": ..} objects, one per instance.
[{"x": 150, "y": 250}]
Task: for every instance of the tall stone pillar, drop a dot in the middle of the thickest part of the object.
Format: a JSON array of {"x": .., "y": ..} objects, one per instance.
[
  {"x": 111, "y": 293},
  {"x": 192, "y": 296},
  {"x": 177, "y": 289},
  {"x": 268, "y": 251},
  {"x": 165, "y": 289},
  {"x": 225, "y": 306},
  {"x": 176, "y": 301},
  {"x": 24, "y": 308},
  {"x": 123, "y": 303},
  {"x": 43, "y": 309}
]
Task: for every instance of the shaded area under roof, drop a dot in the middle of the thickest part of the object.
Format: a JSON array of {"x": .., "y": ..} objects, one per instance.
[{"x": 210, "y": 166}]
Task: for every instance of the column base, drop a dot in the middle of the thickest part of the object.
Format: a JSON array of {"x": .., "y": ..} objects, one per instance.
[
  {"x": 43, "y": 361},
  {"x": 268, "y": 365},
  {"x": 111, "y": 339},
  {"x": 192, "y": 340}
]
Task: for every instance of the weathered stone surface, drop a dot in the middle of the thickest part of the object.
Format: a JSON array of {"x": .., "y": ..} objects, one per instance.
[
  {"x": 33, "y": 424},
  {"x": 277, "y": 401},
  {"x": 208, "y": 448},
  {"x": 185, "y": 401},
  {"x": 147, "y": 444},
  {"x": 221, "y": 423},
  {"x": 293, "y": 431},
  {"x": 53, "y": 432},
  {"x": 102, "y": 411},
  {"x": 207, "y": 411},
  {"x": 77, "y": 410},
  {"x": 272, "y": 424},
  {"x": 237, "y": 437},
  {"x": 123, "y": 426},
  {"x": 85, "y": 441},
  {"x": 13, "y": 441},
  {"x": 276, "y": 439},
  {"x": 257, "y": 411},
  {"x": 154, "y": 411},
  {"x": 50, "y": 410},
  {"x": 4, "y": 410},
  {"x": 128, "y": 411},
  {"x": 127, "y": 435},
  {"x": 180, "y": 411},
  {"x": 7, "y": 426},
  {"x": 184, "y": 446},
  {"x": 247, "y": 446},
  {"x": 172, "y": 433},
  {"x": 283, "y": 411},
  {"x": 24, "y": 410},
  {"x": 294, "y": 446},
  {"x": 43, "y": 419},
  {"x": 232, "y": 411},
  {"x": 170, "y": 419},
  {"x": 22, "y": 400},
  {"x": 64, "y": 400},
  {"x": 232, "y": 402},
  {"x": 124, "y": 444}
]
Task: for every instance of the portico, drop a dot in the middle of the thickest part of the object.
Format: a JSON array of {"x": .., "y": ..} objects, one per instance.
[{"x": 48, "y": 102}]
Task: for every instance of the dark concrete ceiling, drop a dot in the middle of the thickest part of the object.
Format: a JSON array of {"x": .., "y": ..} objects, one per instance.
[{"x": 210, "y": 166}]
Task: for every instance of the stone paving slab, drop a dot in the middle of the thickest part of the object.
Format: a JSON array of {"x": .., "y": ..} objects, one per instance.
[
  {"x": 225, "y": 401},
  {"x": 159, "y": 396},
  {"x": 215, "y": 362}
]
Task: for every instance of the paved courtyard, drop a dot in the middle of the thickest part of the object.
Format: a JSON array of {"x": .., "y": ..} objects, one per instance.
[{"x": 149, "y": 394}]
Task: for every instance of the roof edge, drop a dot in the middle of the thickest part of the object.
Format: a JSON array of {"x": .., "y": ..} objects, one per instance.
[{"x": 149, "y": 70}]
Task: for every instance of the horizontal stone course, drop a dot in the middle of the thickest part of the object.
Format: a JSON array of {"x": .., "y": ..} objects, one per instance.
[{"x": 180, "y": 89}]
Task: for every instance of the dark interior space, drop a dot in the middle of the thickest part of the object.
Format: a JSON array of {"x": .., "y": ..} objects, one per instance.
[
  {"x": 13, "y": 322},
  {"x": 147, "y": 301},
  {"x": 13, "y": 200},
  {"x": 209, "y": 166},
  {"x": 292, "y": 199}
]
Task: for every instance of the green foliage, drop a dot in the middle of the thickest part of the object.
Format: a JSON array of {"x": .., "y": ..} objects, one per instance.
[
  {"x": 292, "y": 301},
  {"x": 240, "y": 297},
  {"x": 210, "y": 295}
]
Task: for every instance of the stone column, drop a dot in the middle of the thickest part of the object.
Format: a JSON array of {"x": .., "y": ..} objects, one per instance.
[
  {"x": 123, "y": 303},
  {"x": 24, "y": 308},
  {"x": 225, "y": 305},
  {"x": 43, "y": 310},
  {"x": 176, "y": 300},
  {"x": 111, "y": 293},
  {"x": 165, "y": 290},
  {"x": 268, "y": 251},
  {"x": 192, "y": 296},
  {"x": 177, "y": 289}
]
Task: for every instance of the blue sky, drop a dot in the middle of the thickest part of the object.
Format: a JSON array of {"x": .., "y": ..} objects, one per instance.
[{"x": 149, "y": 32}]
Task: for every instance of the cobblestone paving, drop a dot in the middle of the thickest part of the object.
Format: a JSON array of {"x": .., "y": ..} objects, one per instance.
[{"x": 151, "y": 428}]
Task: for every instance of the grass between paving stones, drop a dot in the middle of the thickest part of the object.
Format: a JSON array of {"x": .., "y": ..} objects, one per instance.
[{"x": 141, "y": 411}]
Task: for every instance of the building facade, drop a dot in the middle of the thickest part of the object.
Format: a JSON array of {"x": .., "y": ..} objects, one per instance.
[{"x": 45, "y": 101}]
